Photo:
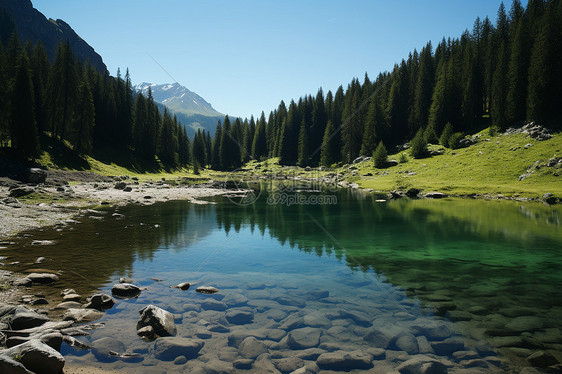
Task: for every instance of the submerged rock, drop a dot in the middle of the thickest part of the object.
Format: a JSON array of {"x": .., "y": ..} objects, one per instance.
[
  {"x": 167, "y": 349},
  {"x": 306, "y": 337},
  {"x": 346, "y": 361},
  {"x": 42, "y": 278},
  {"x": 82, "y": 315},
  {"x": 161, "y": 321},
  {"x": 251, "y": 347},
  {"x": 422, "y": 365}
]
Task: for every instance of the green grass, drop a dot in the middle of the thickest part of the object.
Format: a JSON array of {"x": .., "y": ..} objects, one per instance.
[{"x": 488, "y": 167}]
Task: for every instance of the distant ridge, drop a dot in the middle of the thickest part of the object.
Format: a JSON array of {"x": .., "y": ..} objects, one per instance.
[
  {"x": 30, "y": 24},
  {"x": 192, "y": 110}
]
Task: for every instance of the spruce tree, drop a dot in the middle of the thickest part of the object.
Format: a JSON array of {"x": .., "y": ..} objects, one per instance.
[
  {"x": 446, "y": 134},
  {"x": 84, "y": 120},
  {"x": 380, "y": 156},
  {"x": 517, "y": 75},
  {"x": 499, "y": 91},
  {"x": 304, "y": 151},
  {"x": 259, "y": 145},
  {"x": 418, "y": 145},
  {"x": 216, "y": 162},
  {"x": 330, "y": 150},
  {"x": 24, "y": 129}
]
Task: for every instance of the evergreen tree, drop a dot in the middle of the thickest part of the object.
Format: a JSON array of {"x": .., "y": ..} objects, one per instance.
[
  {"x": 304, "y": 152},
  {"x": 24, "y": 129},
  {"x": 167, "y": 141},
  {"x": 352, "y": 129},
  {"x": 84, "y": 120},
  {"x": 62, "y": 90},
  {"x": 288, "y": 153},
  {"x": 216, "y": 162},
  {"x": 374, "y": 127},
  {"x": 517, "y": 73},
  {"x": 424, "y": 88},
  {"x": 446, "y": 135},
  {"x": 380, "y": 156},
  {"x": 184, "y": 146},
  {"x": 418, "y": 145},
  {"x": 198, "y": 150},
  {"x": 330, "y": 151},
  {"x": 499, "y": 91},
  {"x": 259, "y": 145}
]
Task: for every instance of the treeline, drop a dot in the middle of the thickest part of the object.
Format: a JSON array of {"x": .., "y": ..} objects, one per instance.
[
  {"x": 495, "y": 75},
  {"x": 75, "y": 103}
]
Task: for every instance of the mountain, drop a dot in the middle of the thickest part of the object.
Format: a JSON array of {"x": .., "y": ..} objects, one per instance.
[
  {"x": 30, "y": 24},
  {"x": 190, "y": 109}
]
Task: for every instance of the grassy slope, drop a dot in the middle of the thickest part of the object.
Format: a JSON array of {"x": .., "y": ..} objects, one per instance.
[{"x": 488, "y": 167}]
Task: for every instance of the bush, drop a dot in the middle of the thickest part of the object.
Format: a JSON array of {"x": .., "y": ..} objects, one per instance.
[
  {"x": 403, "y": 158},
  {"x": 380, "y": 155},
  {"x": 418, "y": 145}
]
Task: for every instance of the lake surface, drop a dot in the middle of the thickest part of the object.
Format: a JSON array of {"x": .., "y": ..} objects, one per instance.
[{"x": 471, "y": 283}]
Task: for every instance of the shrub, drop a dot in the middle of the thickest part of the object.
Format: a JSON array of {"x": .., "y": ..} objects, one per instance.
[
  {"x": 454, "y": 140},
  {"x": 403, "y": 158}
]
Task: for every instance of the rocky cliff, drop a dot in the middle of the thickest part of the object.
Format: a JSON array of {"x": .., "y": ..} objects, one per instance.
[{"x": 32, "y": 25}]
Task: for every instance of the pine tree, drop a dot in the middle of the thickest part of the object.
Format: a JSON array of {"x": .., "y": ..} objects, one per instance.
[
  {"x": 24, "y": 129},
  {"x": 517, "y": 74},
  {"x": 84, "y": 120},
  {"x": 62, "y": 90},
  {"x": 446, "y": 135},
  {"x": 424, "y": 88},
  {"x": 259, "y": 145},
  {"x": 498, "y": 107},
  {"x": 418, "y": 145},
  {"x": 216, "y": 162},
  {"x": 167, "y": 141},
  {"x": 374, "y": 127},
  {"x": 329, "y": 152},
  {"x": 352, "y": 129},
  {"x": 380, "y": 156},
  {"x": 304, "y": 152},
  {"x": 198, "y": 150}
]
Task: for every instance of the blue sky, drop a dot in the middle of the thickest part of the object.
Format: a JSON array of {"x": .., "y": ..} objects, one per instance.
[{"x": 246, "y": 56}]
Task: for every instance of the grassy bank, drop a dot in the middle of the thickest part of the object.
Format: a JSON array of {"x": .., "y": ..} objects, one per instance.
[{"x": 492, "y": 166}]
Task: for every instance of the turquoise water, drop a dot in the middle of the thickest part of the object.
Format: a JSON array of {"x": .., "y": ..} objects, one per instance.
[{"x": 377, "y": 278}]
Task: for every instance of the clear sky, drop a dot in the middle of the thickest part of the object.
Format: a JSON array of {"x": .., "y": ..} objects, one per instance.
[{"x": 246, "y": 56}]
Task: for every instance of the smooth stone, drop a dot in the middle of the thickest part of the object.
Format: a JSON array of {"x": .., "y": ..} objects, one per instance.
[
  {"x": 422, "y": 365},
  {"x": 432, "y": 331},
  {"x": 147, "y": 333},
  {"x": 37, "y": 357},
  {"x": 524, "y": 323},
  {"x": 180, "y": 360},
  {"x": 211, "y": 304},
  {"x": 169, "y": 348},
  {"x": 264, "y": 365},
  {"x": 448, "y": 346},
  {"x": 235, "y": 299},
  {"x": 290, "y": 301},
  {"x": 104, "y": 349},
  {"x": 82, "y": 315},
  {"x": 291, "y": 322},
  {"x": 423, "y": 345},
  {"x": 72, "y": 297},
  {"x": 43, "y": 278},
  {"x": 159, "y": 319},
  {"x": 341, "y": 360},
  {"x": 239, "y": 317},
  {"x": 310, "y": 353},
  {"x": 125, "y": 290},
  {"x": 317, "y": 294},
  {"x": 408, "y": 343},
  {"x": 465, "y": 355},
  {"x": 544, "y": 359},
  {"x": 215, "y": 366},
  {"x": 360, "y": 319},
  {"x": 243, "y": 363},
  {"x": 306, "y": 337},
  {"x": 184, "y": 286},
  {"x": 382, "y": 337},
  {"x": 275, "y": 314},
  {"x": 276, "y": 334},
  {"x": 251, "y": 347},
  {"x": 288, "y": 364}
]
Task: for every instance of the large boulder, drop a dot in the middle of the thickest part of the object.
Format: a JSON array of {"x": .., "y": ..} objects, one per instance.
[
  {"x": 125, "y": 290},
  {"x": 37, "y": 357},
  {"x": 24, "y": 318},
  {"x": 168, "y": 348},
  {"x": 36, "y": 175},
  {"x": 161, "y": 321},
  {"x": 105, "y": 349},
  {"x": 21, "y": 191},
  {"x": 341, "y": 360}
]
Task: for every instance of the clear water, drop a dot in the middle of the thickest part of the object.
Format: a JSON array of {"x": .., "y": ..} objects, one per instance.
[{"x": 490, "y": 271}]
